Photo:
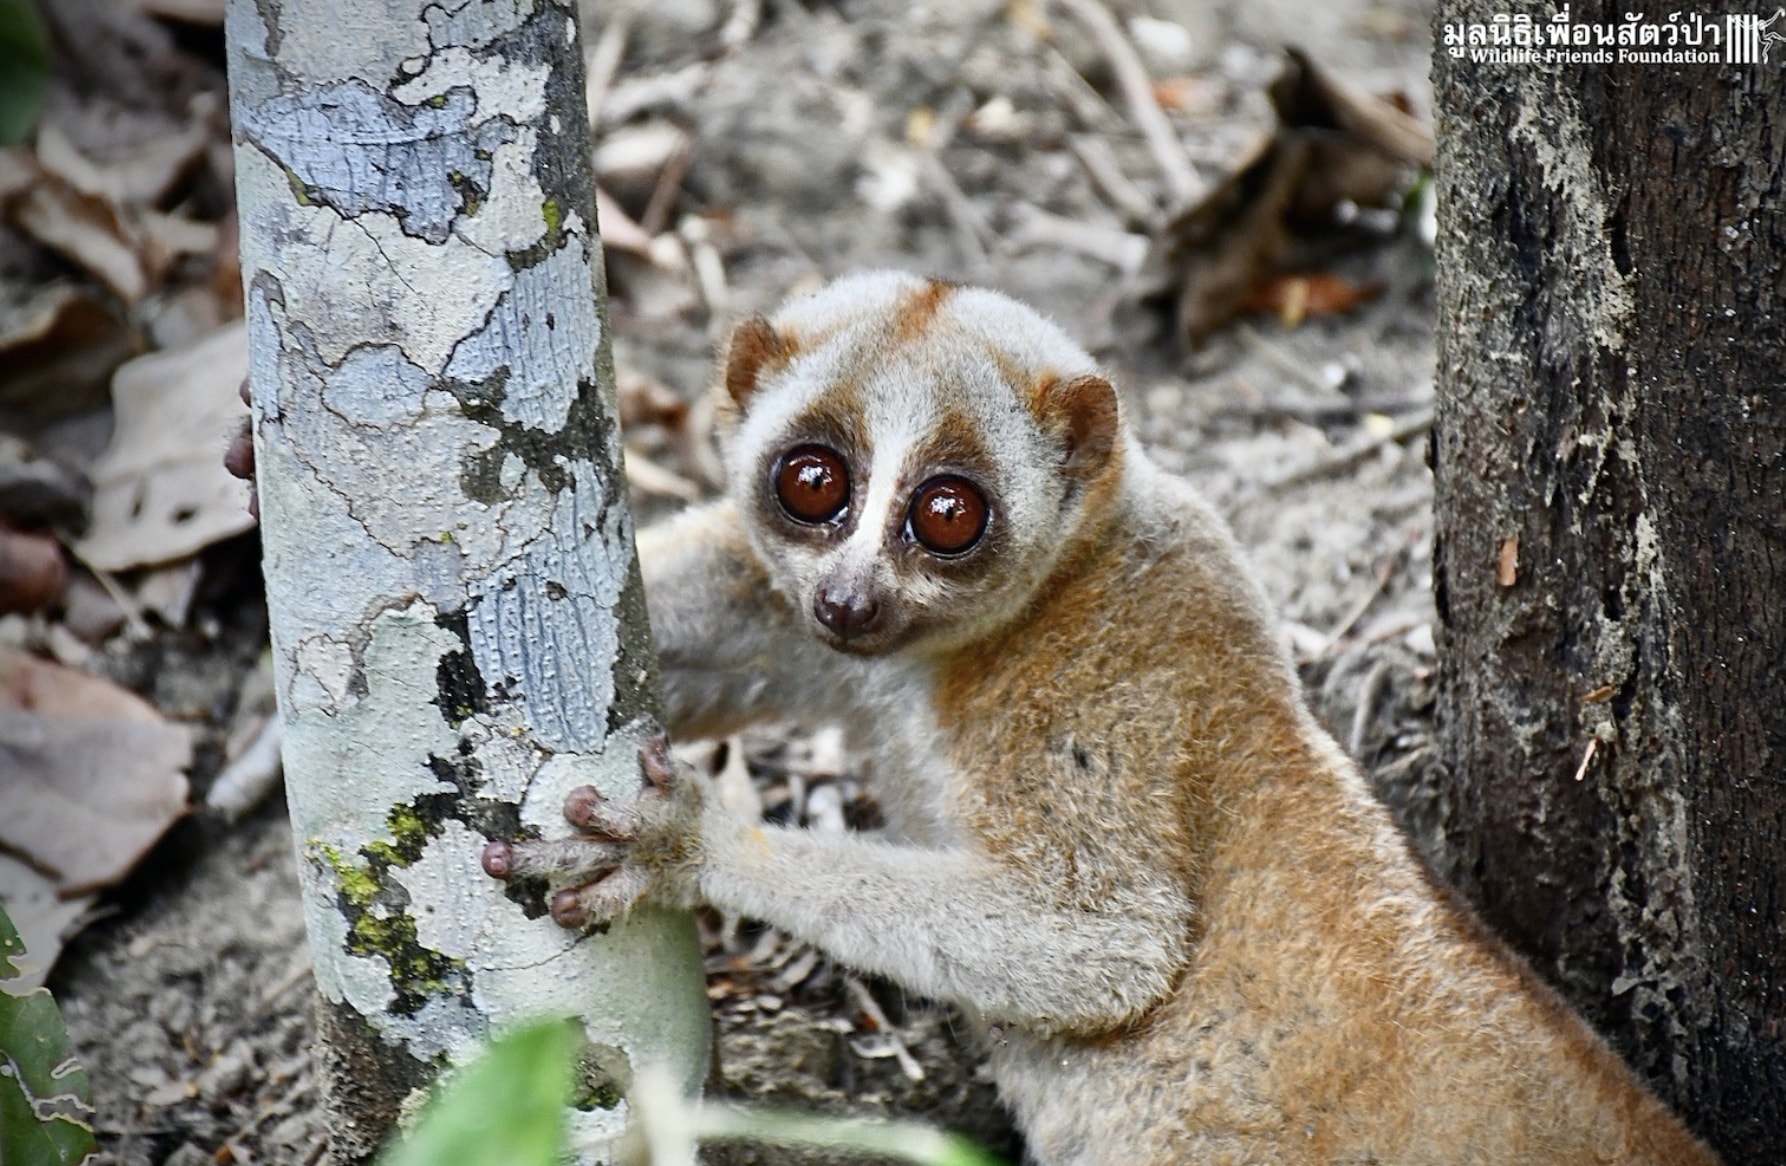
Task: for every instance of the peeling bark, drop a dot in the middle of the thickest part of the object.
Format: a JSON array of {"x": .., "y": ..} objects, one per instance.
[
  {"x": 1613, "y": 714},
  {"x": 458, "y": 621}
]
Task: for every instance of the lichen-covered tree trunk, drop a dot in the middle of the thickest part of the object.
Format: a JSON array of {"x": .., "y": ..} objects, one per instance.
[
  {"x": 1610, "y": 459},
  {"x": 457, "y": 616}
]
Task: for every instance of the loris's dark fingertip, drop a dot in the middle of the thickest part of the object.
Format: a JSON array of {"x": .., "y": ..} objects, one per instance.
[
  {"x": 580, "y": 804},
  {"x": 499, "y": 859},
  {"x": 654, "y": 754},
  {"x": 566, "y": 911}
]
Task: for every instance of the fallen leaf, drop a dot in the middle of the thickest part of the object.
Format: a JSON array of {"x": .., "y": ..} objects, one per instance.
[
  {"x": 45, "y": 920},
  {"x": 160, "y": 490},
  {"x": 1307, "y": 95},
  {"x": 44, "y": 1092},
  {"x": 169, "y": 591},
  {"x": 619, "y": 230},
  {"x": 38, "y": 491},
  {"x": 137, "y": 176},
  {"x": 94, "y": 774},
  {"x": 58, "y": 347},
  {"x": 1294, "y": 298},
  {"x": 1333, "y": 146},
  {"x": 191, "y": 11},
  {"x": 85, "y": 229}
]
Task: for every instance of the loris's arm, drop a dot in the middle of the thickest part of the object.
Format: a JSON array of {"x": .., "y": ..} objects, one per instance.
[
  {"x": 726, "y": 642},
  {"x": 954, "y": 924}
]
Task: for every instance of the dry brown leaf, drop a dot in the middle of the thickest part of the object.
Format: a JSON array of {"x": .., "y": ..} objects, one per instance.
[
  {"x": 165, "y": 238},
  {"x": 619, "y": 231},
  {"x": 1332, "y": 146},
  {"x": 58, "y": 347},
  {"x": 85, "y": 229},
  {"x": 160, "y": 490},
  {"x": 44, "y": 919},
  {"x": 191, "y": 11},
  {"x": 1307, "y": 95},
  {"x": 1294, "y": 298},
  {"x": 137, "y": 176},
  {"x": 94, "y": 774}
]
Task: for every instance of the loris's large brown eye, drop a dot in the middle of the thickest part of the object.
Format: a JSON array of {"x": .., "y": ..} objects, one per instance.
[
  {"x": 947, "y": 515},
  {"x": 812, "y": 484}
]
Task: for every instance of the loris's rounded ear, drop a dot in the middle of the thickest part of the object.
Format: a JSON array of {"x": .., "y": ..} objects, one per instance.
[
  {"x": 1083, "y": 410},
  {"x": 756, "y": 348}
]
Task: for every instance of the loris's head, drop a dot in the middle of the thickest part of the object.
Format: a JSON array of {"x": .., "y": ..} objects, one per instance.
[{"x": 912, "y": 458}]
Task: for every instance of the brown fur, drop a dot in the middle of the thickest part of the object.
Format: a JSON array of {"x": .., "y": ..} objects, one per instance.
[
  {"x": 1085, "y": 410},
  {"x": 1332, "y": 1006},
  {"x": 919, "y": 310},
  {"x": 756, "y": 348}
]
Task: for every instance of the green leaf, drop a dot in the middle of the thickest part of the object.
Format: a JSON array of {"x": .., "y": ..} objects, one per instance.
[
  {"x": 45, "y": 1099},
  {"x": 11, "y": 947},
  {"x": 24, "y": 69},
  {"x": 504, "y": 1109}
]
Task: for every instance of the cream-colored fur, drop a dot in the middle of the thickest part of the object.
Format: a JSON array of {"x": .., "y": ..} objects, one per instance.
[{"x": 1122, "y": 842}]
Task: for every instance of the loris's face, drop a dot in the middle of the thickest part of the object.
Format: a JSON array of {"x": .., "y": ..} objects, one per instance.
[{"x": 899, "y": 488}]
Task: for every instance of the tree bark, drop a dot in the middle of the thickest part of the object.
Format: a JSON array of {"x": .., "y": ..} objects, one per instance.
[
  {"x": 458, "y": 620},
  {"x": 1610, "y": 462}
]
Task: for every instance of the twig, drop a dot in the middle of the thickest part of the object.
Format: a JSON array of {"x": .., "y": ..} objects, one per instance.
[
  {"x": 604, "y": 60},
  {"x": 246, "y": 781},
  {"x": 669, "y": 186},
  {"x": 1088, "y": 105},
  {"x": 1363, "y": 604},
  {"x": 710, "y": 269},
  {"x": 1036, "y": 227},
  {"x": 1368, "y": 693},
  {"x": 975, "y": 234},
  {"x": 1137, "y": 90},
  {"x": 971, "y": 228},
  {"x": 301, "y": 970},
  {"x": 741, "y": 25},
  {"x": 1587, "y": 758},
  {"x": 871, "y": 1008},
  {"x": 1295, "y": 369},
  {"x": 1304, "y": 409},
  {"x": 1347, "y": 456},
  {"x": 1101, "y": 167},
  {"x": 133, "y": 611}
]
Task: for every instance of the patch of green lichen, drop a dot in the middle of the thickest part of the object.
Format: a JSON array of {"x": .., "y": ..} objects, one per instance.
[
  {"x": 438, "y": 101},
  {"x": 553, "y": 214},
  {"x": 409, "y": 834},
  {"x": 355, "y": 883},
  {"x": 299, "y": 191},
  {"x": 416, "y": 971},
  {"x": 604, "y": 1074},
  {"x": 605, "y": 1096},
  {"x": 378, "y": 922}
]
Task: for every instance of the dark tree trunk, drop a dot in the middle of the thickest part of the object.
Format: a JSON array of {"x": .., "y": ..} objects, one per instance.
[{"x": 1610, "y": 456}]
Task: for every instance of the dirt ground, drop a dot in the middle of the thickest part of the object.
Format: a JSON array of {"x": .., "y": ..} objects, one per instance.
[{"x": 807, "y": 156}]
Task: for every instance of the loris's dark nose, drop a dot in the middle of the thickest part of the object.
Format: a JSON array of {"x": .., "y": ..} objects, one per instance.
[{"x": 845, "y": 610}]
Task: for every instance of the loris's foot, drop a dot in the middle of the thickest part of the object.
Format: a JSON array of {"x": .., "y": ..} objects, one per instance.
[
  {"x": 623, "y": 852},
  {"x": 238, "y": 458}
]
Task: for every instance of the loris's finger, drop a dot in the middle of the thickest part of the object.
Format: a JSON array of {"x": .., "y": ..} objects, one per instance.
[
  {"x": 598, "y": 901},
  {"x": 560, "y": 859}
]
